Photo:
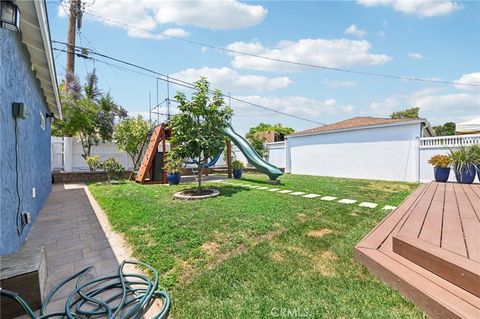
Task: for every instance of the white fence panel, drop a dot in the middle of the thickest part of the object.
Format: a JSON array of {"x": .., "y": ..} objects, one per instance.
[
  {"x": 276, "y": 154},
  {"x": 430, "y": 146},
  {"x": 104, "y": 150},
  {"x": 57, "y": 153}
]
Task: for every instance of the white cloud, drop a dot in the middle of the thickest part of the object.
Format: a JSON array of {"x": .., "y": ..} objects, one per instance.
[
  {"x": 297, "y": 105},
  {"x": 415, "y": 55},
  {"x": 329, "y": 53},
  {"x": 352, "y": 29},
  {"x": 381, "y": 34},
  {"x": 421, "y": 8},
  {"x": 175, "y": 32},
  {"x": 223, "y": 15},
  {"x": 339, "y": 84},
  {"x": 230, "y": 80},
  {"x": 470, "y": 78},
  {"x": 434, "y": 103},
  {"x": 146, "y": 15}
]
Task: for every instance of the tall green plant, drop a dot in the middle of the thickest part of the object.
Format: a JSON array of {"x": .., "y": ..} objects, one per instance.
[
  {"x": 130, "y": 135},
  {"x": 199, "y": 127},
  {"x": 87, "y": 113}
]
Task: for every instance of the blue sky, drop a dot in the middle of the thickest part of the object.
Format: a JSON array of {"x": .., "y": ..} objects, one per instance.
[{"x": 434, "y": 40}]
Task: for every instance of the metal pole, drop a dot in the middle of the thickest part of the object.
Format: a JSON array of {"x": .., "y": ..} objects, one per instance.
[{"x": 168, "y": 98}]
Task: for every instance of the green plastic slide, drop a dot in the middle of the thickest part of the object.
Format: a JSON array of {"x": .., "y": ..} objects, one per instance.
[{"x": 256, "y": 160}]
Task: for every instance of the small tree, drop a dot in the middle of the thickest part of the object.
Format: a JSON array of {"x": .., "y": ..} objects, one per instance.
[
  {"x": 113, "y": 169},
  {"x": 198, "y": 131},
  {"x": 130, "y": 135},
  {"x": 88, "y": 113},
  {"x": 411, "y": 113}
]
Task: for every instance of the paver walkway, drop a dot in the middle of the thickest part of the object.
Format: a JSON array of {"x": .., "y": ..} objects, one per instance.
[{"x": 72, "y": 234}]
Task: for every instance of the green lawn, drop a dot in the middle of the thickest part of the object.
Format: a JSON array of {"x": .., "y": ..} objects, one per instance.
[{"x": 257, "y": 254}]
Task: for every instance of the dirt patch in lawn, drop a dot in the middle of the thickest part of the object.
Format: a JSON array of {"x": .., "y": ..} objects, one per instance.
[
  {"x": 387, "y": 187},
  {"x": 278, "y": 257},
  {"x": 323, "y": 264},
  {"x": 211, "y": 248},
  {"x": 317, "y": 233},
  {"x": 302, "y": 218},
  {"x": 354, "y": 214},
  {"x": 220, "y": 257}
]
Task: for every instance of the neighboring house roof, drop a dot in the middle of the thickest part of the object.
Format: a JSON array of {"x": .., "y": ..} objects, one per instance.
[
  {"x": 468, "y": 127},
  {"x": 35, "y": 33},
  {"x": 359, "y": 123}
]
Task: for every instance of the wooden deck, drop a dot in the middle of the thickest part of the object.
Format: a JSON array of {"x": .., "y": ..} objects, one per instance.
[{"x": 429, "y": 249}]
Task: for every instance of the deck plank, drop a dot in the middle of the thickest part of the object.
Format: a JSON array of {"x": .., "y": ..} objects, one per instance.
[
  {"x": 452, "y": 232},
  {"x": 414, "y": 222},
  {"x": 470, "y": 224},
  {"x": 376, "y": 237},
  {"x": 431, "y": 231},
  {"x": 473, "y": 197}
]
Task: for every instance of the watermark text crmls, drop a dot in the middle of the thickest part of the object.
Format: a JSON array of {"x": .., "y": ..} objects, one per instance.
[{"x": 290, "y": 312}]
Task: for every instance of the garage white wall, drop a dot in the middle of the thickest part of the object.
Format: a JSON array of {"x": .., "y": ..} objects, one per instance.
[{"x": 387, "y": 153}]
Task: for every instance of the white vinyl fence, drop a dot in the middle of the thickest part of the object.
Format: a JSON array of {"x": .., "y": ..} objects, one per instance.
[{"x": 67, "y": 154}]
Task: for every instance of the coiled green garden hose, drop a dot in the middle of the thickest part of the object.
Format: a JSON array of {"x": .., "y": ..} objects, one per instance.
[{"x": 120, "y": 296}]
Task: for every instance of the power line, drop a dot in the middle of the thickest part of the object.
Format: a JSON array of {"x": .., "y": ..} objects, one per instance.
[
  {"x": 167, "y": 78},
  {"x": 211, "y": 46}
]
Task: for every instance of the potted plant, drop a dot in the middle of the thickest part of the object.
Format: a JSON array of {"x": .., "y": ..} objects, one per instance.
[
  {"x": 464, "y": 164},
  {"x": 441, "y": 167},
  {"x": 475, "y": 149},
  {"x": 173, "y": 166},
  {"x": 237, "y": 169}
]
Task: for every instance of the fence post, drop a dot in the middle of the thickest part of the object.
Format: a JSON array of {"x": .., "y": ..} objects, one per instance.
[{"x": 67, "y": 154}]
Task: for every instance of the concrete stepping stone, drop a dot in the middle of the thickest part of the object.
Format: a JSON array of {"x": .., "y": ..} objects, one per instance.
[
  {"x": 388, "y": 207},
  {"x": 367, "y": 204},
  {"x": 311, "y": 195},
  {"x": 273, "y": 189},
  {"x": 297, "y": 193},
  {"x": 347, "y": 201},
  {"x": 263, "y": 187},
  {"x": 329, "y": 198},
  {"x": 285, "y": 191},
  {"x": 254, "y": 186}
]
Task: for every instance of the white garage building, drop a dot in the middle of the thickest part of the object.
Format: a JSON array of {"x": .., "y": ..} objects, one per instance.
[{"x": 360, "y": 147}]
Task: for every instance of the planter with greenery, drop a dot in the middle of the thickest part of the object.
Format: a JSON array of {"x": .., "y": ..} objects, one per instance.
[
  {"x": 475, "y": 149},
  {"x": 464, "y": 164},
  {"x": 199, "y": 128},
  {"x": 173, "y": 166},
  {"x": 237, "y": 167},
  {"x": 441, "y": 167}
]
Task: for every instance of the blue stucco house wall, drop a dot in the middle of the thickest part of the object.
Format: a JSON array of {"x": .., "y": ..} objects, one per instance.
[{"x": 26, "y": 147}]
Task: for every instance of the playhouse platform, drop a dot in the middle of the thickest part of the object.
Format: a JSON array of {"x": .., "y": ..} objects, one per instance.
[{"x": 429, "y": 249}]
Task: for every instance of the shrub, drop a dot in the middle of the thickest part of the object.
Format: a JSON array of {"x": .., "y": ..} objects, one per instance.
[
  {"x": 113, "y": 169},
  {"x": 440, "y": 160},
  {"x": 237, "y": 165},
  {"x": 172, "y": 164},
  {"x": 93, "y": 162}
]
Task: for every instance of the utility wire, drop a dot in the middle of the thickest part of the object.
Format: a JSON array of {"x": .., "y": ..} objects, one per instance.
[
  {"x": 163, "y": 77},
  {"x": 211, "y": 46}
]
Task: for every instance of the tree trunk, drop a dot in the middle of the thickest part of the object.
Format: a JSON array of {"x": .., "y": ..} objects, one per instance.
[{"x": 200, "y": 173}]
